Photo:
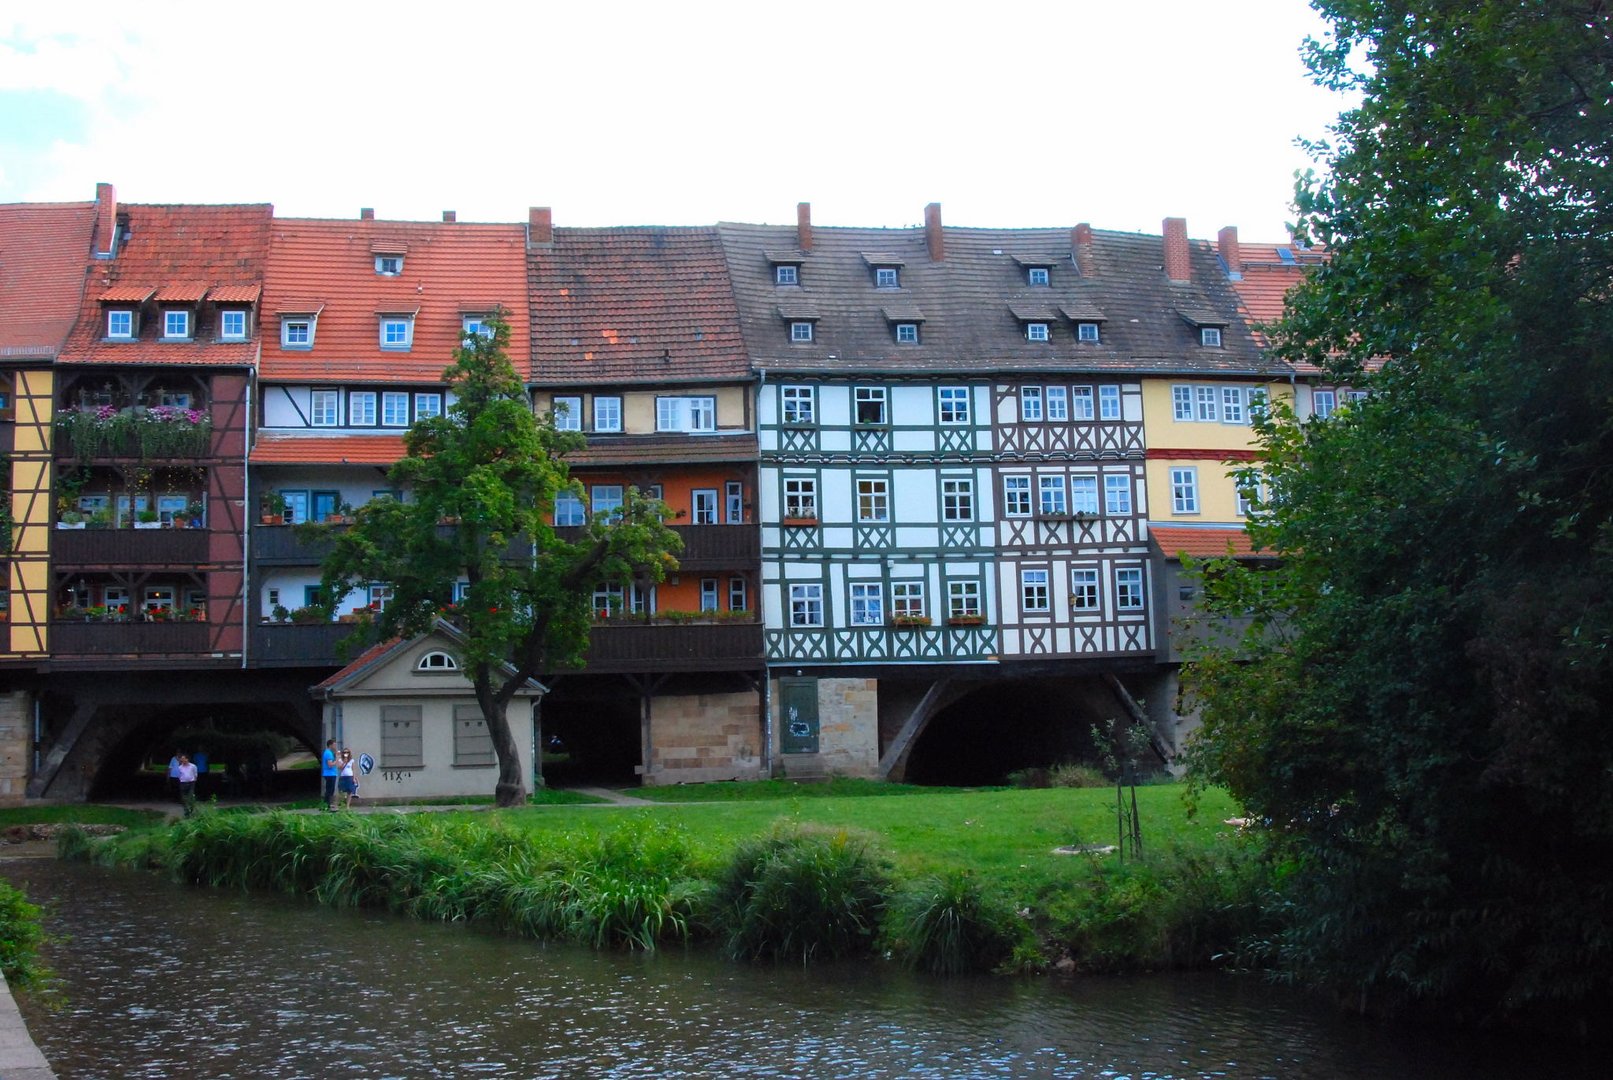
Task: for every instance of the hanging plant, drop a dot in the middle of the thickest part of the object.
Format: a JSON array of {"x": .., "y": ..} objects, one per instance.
[{"x": 162, "y": 431}]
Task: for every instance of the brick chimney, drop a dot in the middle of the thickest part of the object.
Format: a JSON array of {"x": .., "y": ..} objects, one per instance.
[
  {"x": 1177, "y": 266},
  {"x": 366, "y": 213},
  {"x": 540, "y": 226},
  {"x": 106, "y": 222},
  {"x": 1081, "y": 248},
  {"x": 1226, "y": 243},
  {"x": 803, "y": 226},
  {"x": 449, "y": 216},
  {"x": 932, "y": 232}
]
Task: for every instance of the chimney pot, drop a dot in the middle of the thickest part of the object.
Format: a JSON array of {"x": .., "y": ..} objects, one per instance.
[
  {"x": 803, "y": 225},
  {"x": 540, "y": 225},
  {"x": 932, "y": 232},
  {"x": 366, "y": 213},
  {"x": 1177, "y": 264},
  {"x": 1226, "y": 243},
  {"x": 106, "y": 221},
  {"x": 449, "y": 216}
]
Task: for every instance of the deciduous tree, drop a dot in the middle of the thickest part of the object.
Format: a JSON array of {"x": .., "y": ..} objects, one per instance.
[{"x": 479, "y": 485}]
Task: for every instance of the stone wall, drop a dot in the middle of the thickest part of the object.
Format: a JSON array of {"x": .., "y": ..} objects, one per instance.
[
  {"x": 696, "y": 738},
  {"x": 848, "y": 731},
  {"x": 16, "y": 739}
]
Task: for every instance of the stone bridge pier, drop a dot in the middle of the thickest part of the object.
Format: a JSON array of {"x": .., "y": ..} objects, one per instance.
[{"x": 94, "y": 722}]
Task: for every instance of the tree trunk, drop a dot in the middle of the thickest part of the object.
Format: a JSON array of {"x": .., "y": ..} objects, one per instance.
[{"x": 511, "y": 789}]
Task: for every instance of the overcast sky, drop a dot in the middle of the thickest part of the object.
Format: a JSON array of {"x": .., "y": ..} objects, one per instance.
[{"x": 1008, "y": 114}]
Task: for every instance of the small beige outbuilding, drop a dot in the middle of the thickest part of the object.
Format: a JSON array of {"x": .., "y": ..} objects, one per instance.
[{"x": 408, "y": 707}]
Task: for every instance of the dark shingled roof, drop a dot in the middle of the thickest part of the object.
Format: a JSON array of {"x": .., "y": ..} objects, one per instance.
[
  {"x": 634, "y": 305},
  {"x": 976, "y": 300}
]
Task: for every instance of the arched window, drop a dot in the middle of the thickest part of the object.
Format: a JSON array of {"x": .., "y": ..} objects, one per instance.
[{"x": 437, "y": 661}]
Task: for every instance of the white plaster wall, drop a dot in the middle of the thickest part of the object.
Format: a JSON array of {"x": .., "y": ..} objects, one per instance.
[{"x": 358, "y": 727}]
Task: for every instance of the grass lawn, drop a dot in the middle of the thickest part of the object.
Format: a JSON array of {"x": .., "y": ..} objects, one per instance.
[
  {"x": 79, "y": 814},
  {"x": 1004, "y": 835}
]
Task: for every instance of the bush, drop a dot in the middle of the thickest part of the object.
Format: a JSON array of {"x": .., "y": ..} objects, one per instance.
[
  {"x": 1077, "y": 776},
  {"x": 802, "y": 894},
  {"x": 950, "y": 925},
  {"x": 20, "y": 935}
]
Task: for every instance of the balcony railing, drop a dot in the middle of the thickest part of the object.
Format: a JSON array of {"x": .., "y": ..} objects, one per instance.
[
  {"x": 628, "y": 646},
  {"x": 129, "y": 547},
  {"x": 709, "y": 547},
  {"x": 128, "y": 638},
  {"x": 299, "y": 644},
  {"x": 289, "y": 545}
]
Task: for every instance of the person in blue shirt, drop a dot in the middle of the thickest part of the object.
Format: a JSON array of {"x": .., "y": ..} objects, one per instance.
[{"x": 328, "y": 772}]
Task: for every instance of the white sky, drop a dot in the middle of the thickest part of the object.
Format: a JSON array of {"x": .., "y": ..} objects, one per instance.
[{"x": 625, "y": 113}]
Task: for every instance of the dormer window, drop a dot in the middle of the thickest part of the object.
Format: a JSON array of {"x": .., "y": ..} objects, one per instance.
[
  {"x": 176, "y": 325},
  {"x": 887, "y": 277},
  {"x": 232, "y": 324},
  {"x": 389, "y": 265},
  {"x": 397, "y": 332},
  {"x": 907, "y": 333},
  {"x": 801, "y": 332},
  {"x": 1036, "y": 275},
  {"x": 297, "y": 332},
  {"x": 1036, "y": 331},
  {"x": 120, "y": 324},
  {"x": 1087, "y": 331},
  {"x": 474, "y": 326},
  {"x": 1210, "y": 337},
  {"x": 786, "y": 275}
]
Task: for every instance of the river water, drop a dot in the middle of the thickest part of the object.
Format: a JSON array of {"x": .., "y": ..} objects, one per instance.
[{"x": 164, "y": 981}]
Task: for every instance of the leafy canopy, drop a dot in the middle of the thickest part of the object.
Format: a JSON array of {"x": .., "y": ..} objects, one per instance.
[{"x": 1422, "y": 722}]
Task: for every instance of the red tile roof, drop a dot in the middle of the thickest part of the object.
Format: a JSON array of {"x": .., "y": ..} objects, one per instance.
[
  {"x": 179, "y": 252},
  {"x": 327, "y": 449},
  {"x": 1202, "y": 543},
  {"x": 634, "y": 305},
  {"x": 362, "y": 661},
  {"x": 328, "y": 267},
  {"x": 44, "y": 249}
]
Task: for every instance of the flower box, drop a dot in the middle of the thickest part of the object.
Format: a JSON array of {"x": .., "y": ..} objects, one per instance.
[
  {"x": 966, "y": 620},
  {"x": 909, "y": 622},
  {"x": 800, "y": 522}
]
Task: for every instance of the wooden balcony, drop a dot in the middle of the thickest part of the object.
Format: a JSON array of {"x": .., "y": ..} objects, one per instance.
[
  {"x": 718, "y": 646},
  {"x": 710, "y": 547},
  {"x": 288, "y": 545},
  {"x": 68, "y": 639},
  {"x": 299, "y": 644},
  {"x": 129, "y": 547}
]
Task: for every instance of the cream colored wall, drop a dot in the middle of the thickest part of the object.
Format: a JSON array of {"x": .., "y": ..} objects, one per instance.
[
  {"x": 848, "y": 731},
  {"x": 638, "y": 406},
  {"x": 359, "y": 729},
  {"x": 1163, "y": 432},
  {"x": 1218, "y": 494}
]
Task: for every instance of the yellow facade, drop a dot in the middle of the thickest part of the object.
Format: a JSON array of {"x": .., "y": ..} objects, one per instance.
[
  {"x": 30, "y": 495},
  {"x": 1202, "y": 445}
]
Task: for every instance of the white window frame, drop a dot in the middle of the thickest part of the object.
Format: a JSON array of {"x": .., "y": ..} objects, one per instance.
[
  {"x": 361, "y": 408},
  {"x": 957, "y": 498},
  {"x": 1323, "y": 403},
  {"x": 325, "y": 408},
  {"x": 870, "y": 396},
  {"x": 1116, "y": 495},
  {"x": 738, "y": 594},
  {"x": 1081, "y": 407},
  {"x": 569, "y": 510},
  {"x": 1083, "y": 493},
  {"x": 800, "y": 496},
  {"x": 120, "y": 324},
  {"x": 397, "y": 333},
  {"x": 607, "y": 413},
  {"x": 1037, "y": 331},
  {"x": 471, "y": 326},
  {"x": 703, "y": 506},
  {"x": 232, "y": 324},
  {"x": 1058, "y": 404},
  {"x": 1037, "y": 276},
  {"x": 1035, "y": 594},
  {"x": 1087, "y": 332},
  {"x": 733, "y": 497},
  {"x": 1017, "y": 496},
  {"x": 297, "y": 332},
  {"x": 806, "y": 605},
  {"x": 389, "y": 265},
  {"x": 907, "y": 333},
  {"x": 567, "y": 411},
  {"x": 176, "y": 324},
  {"x": 867, "y": 604},
  {"x": 798, "y": 406},
  {"x": 1206, "y": 405},
  {"x": 1052, "y": 495},
  {"x": 801, "y": 331},
  {"x": 954, "y": 404},
  {"x": 1030, "y": 404},
  {"x": 907, "y": 598},
  {"x": 708, "y": 594},
  {"x": 786, "y": 274},
  {"x": 394, "y": 408},
  {"x": 1247, "y": 499},
  {"x": 1182, "y": 404},
  {"x": 1084, "y": 589},
  {"x": 963, "y": 598},
  {"x": 873, "y": 499},
  {"x": 427, "y": 403},
  {"x": 1232, "y": 406},
  {"x": 606, "y": 499},
  {"x": 1210, "y": 337},
  {"x": 887, "y": 277},
  {"x": 1185, "y": 489},
  {"x": 1129, "y": 588},
  {"x": 686, "y": 414},
  {"x": 1109, "y": 402}
]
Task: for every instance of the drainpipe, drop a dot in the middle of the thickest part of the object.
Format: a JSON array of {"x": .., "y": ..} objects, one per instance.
[
  {"x": 246, "y": 533},
  {"x": 767, "y": 724},
  {"x": 39, "y": 733}
]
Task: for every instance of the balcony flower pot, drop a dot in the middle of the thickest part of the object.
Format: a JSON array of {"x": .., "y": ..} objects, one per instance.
[
  {"x": 70, "y": 524},
  {"x": 272, "y": 519},
  {"x": 148, "y": 524},
  {"x": 909, "y": 622},
  {"x": 966, "y": 620},
  {"x": 800, "y": 522}
]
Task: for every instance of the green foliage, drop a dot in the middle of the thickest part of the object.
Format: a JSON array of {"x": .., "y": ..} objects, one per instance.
[
  {"x": 491, "y": 467},
  {"x": 800, "y": 894},
  {"x": 952, "y": 925},
  {"x": 1418, "y": 711},
  {"x": 20, "y": 937}
]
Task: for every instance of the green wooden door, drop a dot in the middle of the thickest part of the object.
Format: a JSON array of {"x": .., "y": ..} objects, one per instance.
[{"x": 798, "y": 716}]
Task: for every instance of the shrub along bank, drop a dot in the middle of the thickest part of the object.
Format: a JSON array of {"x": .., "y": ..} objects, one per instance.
[{"x": 946, "y": 882}]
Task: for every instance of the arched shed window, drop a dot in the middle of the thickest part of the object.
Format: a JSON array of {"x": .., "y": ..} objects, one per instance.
[{"x": 437, "y": 660}]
